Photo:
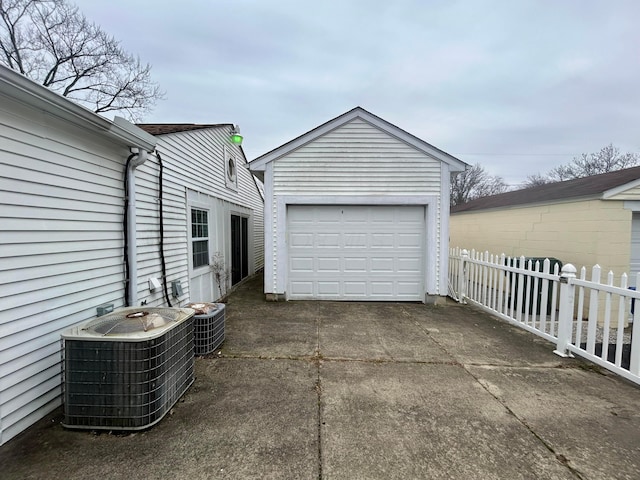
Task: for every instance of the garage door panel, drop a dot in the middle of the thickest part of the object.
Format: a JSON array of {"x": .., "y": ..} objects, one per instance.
[
  {"x": 409, "y": 288},
  {"x": 302, "y": 264},
  {"x": 355, "y": 216},
  {"x": 382, "y": 240},
  {"x": 352, "y": 264},
  {"x": 384, "y": 265},
  {"x": 301, "y": 239},
  {"x": 355, "y": 288},
  {"x": 329, "y": 288},
  {"x": 331, "y": 264},
  {"x": 409, "y": 240},
  {"x": 299, "y": 288},
  {"x": 382, "y": 288},
  {"x": 327, "y": 240},
  {"x": 356, "y": 252},
  {"x": 354, "y": 240},
  {"x": 407, "y": 265}
]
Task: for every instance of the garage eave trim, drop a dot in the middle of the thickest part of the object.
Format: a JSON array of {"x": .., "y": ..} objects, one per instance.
[{"x": 455, "y": 164}]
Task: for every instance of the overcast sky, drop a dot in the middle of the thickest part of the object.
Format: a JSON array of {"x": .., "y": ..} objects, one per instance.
[{"x": 519, "y": 86}]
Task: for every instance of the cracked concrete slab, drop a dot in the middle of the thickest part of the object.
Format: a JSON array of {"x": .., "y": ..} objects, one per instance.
[
  {"x": 591, "y": 419},
  {"x": 330, "y": 390},
  {"x": 393, "y": 420}
]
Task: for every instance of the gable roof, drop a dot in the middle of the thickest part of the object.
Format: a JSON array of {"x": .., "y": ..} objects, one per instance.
[
  {"x": 593, "y": 186},
  {"x": 259, "y": 164},
  {"x": 166, "y": 128}
]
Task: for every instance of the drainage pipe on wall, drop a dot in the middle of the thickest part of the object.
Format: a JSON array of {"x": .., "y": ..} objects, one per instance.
[{"x": 137, "y": 158}]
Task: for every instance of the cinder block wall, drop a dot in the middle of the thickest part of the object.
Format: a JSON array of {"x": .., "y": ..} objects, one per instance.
[{"x": 583, "y": 233}]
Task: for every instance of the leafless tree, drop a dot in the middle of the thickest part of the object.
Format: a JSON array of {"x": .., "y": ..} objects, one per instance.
[
  {"x": 220, "y": 272},
  {"x": 51, "y": 42},
  {"x": 536, "y": 180},
  {"x": 606, "y": 160},
  {"x": 475, "y": 183}
]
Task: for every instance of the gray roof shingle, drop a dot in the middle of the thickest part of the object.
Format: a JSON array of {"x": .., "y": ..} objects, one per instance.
[
  {"x": 579, "y": 187},
  {"x": 166, "y": 128}
]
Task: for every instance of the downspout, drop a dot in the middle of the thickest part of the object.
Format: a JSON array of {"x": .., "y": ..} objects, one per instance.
[{"x": 138, "y": 157}]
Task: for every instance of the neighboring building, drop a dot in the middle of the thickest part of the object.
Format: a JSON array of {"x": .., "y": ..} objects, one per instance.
[
  {"x": 586, "y": 221},
  {"x": 356, "y": 209},
  {"x": 64, "y": 172}
]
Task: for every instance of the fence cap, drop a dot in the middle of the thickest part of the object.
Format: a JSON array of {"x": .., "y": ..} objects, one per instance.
[{"x": 568, "y": 270}]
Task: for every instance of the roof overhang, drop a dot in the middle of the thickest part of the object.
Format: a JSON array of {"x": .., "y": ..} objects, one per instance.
[
  {"x": 455, "y": 164},
  {"x": 20, "y": 88},
  {"x": 612, "y": 192}
]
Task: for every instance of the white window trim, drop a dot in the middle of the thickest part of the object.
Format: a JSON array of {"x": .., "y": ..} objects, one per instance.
[{"x": 205, "y": 208}]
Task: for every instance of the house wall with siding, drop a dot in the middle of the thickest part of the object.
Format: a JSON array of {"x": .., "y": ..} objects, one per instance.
[
  {"x": 580, "y": 232},
  {"x": 61, "y": 203},
  {"x": 61, "y": 240},
  {"x": 193, "y": 171},
  {"x": 356, "y": 159}
]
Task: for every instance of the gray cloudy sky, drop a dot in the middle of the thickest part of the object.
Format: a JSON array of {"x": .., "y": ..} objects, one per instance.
[{"x": 519, "y": 86}]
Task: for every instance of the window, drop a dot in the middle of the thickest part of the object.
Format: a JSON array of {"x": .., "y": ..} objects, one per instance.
[{"x": 200, "y": 237}]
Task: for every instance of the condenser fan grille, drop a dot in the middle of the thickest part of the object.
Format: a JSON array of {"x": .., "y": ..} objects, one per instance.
[{"x": 132, "y": 321}]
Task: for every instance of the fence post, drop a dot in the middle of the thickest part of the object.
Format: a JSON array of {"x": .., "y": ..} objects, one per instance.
[
  {"x": 462, "y": 276},
  {"x": 565, "y": 314}
]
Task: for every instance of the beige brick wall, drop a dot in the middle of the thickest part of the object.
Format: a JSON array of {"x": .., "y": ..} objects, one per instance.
[{"x": 582, "y": 233}]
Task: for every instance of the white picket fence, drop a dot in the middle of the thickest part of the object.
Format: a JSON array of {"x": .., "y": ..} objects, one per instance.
[{"x": 582, "y": 317}]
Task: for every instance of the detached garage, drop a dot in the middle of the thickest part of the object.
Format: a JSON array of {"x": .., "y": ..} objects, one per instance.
[{"x": 356, "y": 209}]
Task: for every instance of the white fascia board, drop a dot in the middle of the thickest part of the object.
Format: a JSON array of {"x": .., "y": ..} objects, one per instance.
[
  {"x": 18, "y": 87},
  {"x": 620, "y": 189},
  {"x": 455, "y": 164}
]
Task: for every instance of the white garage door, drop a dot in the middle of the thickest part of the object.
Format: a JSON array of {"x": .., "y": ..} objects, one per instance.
[{"x": 356, "y": 252}]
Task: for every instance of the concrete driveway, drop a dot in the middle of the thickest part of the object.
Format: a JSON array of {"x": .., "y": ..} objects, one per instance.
[{"x": 324, "y": 390}]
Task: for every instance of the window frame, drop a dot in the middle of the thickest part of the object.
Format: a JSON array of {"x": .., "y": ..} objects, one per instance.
[{"x": 198, "y": 229}]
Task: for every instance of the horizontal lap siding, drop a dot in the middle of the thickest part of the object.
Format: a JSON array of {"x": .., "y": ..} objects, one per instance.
[
  {"x": 358, "y": 159},
  {"x": 61, "y": 203},
  {"x": 148, "y": 231},
  {"x": 191, "y": 160}
]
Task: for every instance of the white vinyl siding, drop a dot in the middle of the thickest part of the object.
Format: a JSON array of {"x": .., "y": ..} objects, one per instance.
[
  {"x": 61, "y": 203},
  {"x": 61, "y": 238},
  {"x": 356, "y": 158},
  {"x": 148, "y": 232},
  {"x": 193, "y": 170}
]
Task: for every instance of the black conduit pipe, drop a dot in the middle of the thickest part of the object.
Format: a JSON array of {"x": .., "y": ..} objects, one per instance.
[{"x": 160, "y": 206}]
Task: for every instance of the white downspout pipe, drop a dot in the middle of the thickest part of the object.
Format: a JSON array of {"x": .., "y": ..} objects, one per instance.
[{"x": 132, "y": 249}]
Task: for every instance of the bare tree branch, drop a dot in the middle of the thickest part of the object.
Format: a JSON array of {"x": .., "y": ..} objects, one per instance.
[
  {"x": 606, "y": 160},
  {"x": 536, "y": 180},
  {"x": 51, "y": 42},
  {"x": 474, "y": 183}
]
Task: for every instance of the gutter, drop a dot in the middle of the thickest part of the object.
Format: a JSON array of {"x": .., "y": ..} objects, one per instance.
[{"x": 137, "y": 158}]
